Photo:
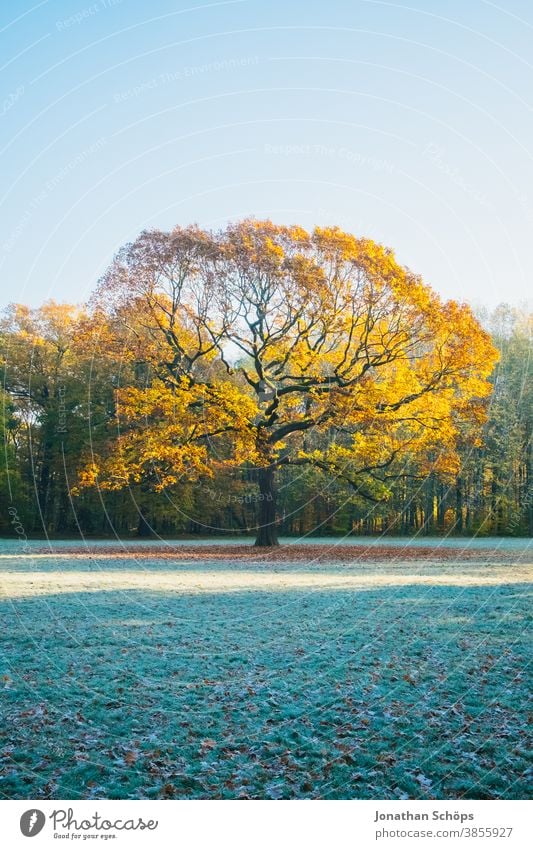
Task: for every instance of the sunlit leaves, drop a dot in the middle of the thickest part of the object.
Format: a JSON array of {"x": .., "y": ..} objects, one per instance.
[{"x": 266, "y": 344}]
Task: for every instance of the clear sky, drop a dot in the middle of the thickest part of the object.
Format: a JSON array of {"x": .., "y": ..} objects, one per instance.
[{"x": 408, "y": 123}]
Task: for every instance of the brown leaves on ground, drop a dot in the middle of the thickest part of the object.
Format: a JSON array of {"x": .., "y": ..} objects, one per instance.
[{"x": 308, "y": 553}]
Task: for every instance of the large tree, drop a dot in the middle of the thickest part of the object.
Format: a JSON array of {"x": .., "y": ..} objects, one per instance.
[{"x": 265, "y": 346}]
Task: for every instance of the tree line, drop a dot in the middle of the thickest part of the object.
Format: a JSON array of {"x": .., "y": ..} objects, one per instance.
[{"x": 264, "y": 380}]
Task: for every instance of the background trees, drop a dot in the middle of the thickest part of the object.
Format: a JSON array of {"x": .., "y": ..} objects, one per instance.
[{"x": 209, "y": 364}]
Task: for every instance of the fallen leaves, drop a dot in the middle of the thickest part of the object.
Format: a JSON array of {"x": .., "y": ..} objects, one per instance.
[
  {"x": 288, "y": 553},
  {"x": 374, "y": 694}
]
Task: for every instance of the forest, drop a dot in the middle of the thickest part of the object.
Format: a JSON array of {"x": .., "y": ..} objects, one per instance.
[{"x": 135, "y": 415}]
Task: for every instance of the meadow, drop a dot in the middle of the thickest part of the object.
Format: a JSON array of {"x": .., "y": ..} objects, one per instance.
[{"x": 130, "y": 673}]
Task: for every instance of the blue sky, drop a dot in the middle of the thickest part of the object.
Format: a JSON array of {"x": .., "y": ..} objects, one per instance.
[{"x": 410, "y": 124}]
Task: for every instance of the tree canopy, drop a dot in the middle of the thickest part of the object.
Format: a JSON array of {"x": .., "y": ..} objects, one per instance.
[{"x": 264, "y": 346}]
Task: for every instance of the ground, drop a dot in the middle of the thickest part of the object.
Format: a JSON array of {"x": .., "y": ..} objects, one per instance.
[{"x": 220, "y": 672}]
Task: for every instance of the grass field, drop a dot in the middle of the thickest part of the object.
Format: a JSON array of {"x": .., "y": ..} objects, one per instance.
[{"x": 134, "y": 675}]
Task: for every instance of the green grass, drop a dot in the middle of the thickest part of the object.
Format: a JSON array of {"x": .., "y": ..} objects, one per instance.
[{"x": 376, "y": 691}]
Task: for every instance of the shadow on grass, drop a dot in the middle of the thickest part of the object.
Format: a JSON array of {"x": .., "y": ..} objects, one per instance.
[{"x": 406, "y": 691}]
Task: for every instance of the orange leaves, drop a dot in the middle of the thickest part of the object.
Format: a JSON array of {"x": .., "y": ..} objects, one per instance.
[
  {"x": 265, "y": 341},
  {"x": 167, "y": 434}
]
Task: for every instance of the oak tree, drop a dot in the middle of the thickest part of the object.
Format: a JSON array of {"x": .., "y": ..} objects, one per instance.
[{"x": 263, "y": 346}]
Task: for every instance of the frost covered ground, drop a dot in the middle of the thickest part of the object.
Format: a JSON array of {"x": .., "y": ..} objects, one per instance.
[{"x": 128, "y": 672}]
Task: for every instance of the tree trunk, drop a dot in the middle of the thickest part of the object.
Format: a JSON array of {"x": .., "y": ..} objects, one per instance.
[
  {"x": 429, "y": 510},
  {"x": 459, "y": 506},
  {"x": 267, "y": 532},
  {"x": 144, "y": 529},
  {"x": 441, "y": 508}
]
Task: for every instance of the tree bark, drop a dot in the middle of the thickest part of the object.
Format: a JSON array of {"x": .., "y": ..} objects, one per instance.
[
  {"x": 144, "y": 529},
  {"x": 267, "y": 532},
  {"x": 459, "y": 505}
]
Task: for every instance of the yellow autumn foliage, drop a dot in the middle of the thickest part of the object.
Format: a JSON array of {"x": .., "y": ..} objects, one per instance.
[{"x": 266, "y": 345}]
